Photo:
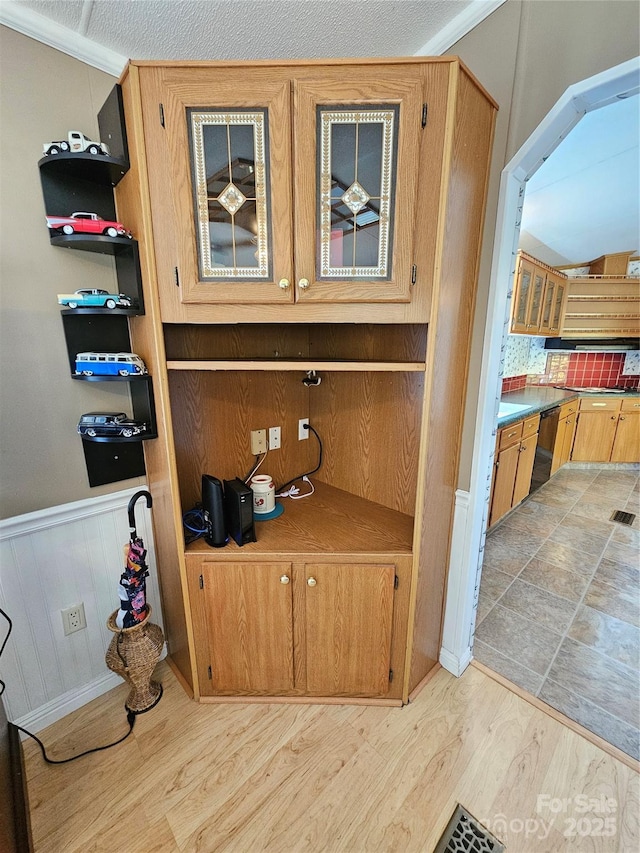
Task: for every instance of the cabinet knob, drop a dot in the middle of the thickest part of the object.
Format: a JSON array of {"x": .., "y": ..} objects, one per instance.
[
  {"x": 614, "y": 417},
  {"x": 284, "y": 579},
  {"x": 621, "y": 417},
  {"x": 284, "y": 284},
  {"x": 303, "y": 284},
  {"x": 311, "y": 581},
  {"x": 523, "y": 447}
]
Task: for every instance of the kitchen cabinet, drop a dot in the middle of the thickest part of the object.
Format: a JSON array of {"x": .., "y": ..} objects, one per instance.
[
  {"x": 238, "y": 317},
  {"x": 513, "y": 466},
  {"x": 310, "y": 197},
  {"x": 307, "y": 628},
  {"x": 602, "y": 306},
  {"x": 607, "y": 431},
  {"x": 564, "y": 435},
  {"x": 539, "y": 298}
]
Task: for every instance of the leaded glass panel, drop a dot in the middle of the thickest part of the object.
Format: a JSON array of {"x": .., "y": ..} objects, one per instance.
[
  {"x": 230, "y": 169},
  {"x": 357, "y": 175}
]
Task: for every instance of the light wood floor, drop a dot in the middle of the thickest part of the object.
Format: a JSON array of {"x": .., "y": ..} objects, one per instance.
[{"x": 328, "y": 778}]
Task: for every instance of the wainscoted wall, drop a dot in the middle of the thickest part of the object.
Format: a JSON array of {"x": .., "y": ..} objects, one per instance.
[{"x": 50, "y": 560}]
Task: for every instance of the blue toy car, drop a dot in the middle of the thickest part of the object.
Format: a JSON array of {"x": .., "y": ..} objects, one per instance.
[{"x": 95, "y": 299}]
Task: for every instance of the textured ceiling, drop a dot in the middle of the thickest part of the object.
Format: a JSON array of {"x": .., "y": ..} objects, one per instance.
[{"x": 254, "y": 29}]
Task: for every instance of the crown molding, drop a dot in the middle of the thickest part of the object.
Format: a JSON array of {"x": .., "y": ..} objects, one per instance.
[
  {"x": 463, "y": 23},
  {"x": 44, "y": 30}
]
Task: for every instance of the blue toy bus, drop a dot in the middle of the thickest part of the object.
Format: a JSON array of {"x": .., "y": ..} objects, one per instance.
[{"x": 109, "y": 364}]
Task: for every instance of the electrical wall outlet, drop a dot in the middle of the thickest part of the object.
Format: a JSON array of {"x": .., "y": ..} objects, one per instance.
[
  {"x": 303, "y": 431},
  {"x": 258, "y": 441},
  {"x": 274, "y": 438},
  {"x": 73, "y": 619}
]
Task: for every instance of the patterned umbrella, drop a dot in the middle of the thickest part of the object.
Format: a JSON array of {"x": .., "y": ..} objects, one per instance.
[{"x": 132, "y": 586}]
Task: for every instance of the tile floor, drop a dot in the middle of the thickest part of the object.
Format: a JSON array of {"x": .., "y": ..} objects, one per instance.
[{"x": 559, "y": 607}]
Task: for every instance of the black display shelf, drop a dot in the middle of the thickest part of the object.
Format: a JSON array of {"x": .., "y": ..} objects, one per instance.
[
  {"x": 73, "y": 182},
  {"x": 79, "y": 166},
  {"x": 118, "y": 439},
  {"x": 112, "y": 312},
  {"x": 111, "y": 463},
  {"x": 82, "y": 378},
  {"x": 101, "y": 244}
]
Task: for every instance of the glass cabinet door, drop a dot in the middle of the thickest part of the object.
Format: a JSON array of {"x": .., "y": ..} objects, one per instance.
[
  {"x": 558, "y": 307},
  {"x": 535, "y": 305},
  {"x": 547, "y": 306},
  {"x": 229, "y": 151},
  {"x": 521, "y": 297},
  {"x": 357, "y": 155}
]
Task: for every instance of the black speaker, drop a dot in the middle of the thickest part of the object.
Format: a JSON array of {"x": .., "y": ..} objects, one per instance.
[
  {"x": 213, "y": 507},
  {"x": 238, "y": 499}
]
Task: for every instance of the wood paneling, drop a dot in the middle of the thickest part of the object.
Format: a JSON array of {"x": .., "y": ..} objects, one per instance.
[
  {"x": 470, "y": 124},
  {"x": 214, "y": 413},
  {"x": 370, "y": 428}
]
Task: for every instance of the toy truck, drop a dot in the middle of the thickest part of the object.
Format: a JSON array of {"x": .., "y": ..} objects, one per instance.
[{"x": 75, "y": 143}]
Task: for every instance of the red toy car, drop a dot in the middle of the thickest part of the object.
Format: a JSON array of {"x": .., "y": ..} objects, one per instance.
[{"x": 87, "y": 223}]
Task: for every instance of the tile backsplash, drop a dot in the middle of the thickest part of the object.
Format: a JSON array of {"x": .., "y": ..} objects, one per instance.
[
  {"x": 588, "y": 370},
  {"x": 526, "y": 362}
]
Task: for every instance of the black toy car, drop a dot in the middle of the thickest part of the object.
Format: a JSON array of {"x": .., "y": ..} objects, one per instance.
[{"x": 113, "y": 424}]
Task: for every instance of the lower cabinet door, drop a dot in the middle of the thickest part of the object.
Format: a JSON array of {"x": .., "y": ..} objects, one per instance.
[
  {"x": 349, "y": 620},
  {"x": 527, "y": 455},
  {"x": 626, "y": 446},
  {"x": 504, "y": 481},
  {"x": 594, "y": 437},
  {"x": 243, "y": 627}
]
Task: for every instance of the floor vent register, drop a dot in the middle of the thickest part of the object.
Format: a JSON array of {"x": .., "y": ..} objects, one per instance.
[
  {"x": 623, "y": 517},
  {"x": 464, "y": 834}
]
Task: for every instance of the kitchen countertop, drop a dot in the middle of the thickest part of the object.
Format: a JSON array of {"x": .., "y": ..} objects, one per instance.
[{"x": 539, "y": 398}]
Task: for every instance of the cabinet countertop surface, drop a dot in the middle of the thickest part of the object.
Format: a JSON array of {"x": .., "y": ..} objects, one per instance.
[{"x": 539, "y": 398}]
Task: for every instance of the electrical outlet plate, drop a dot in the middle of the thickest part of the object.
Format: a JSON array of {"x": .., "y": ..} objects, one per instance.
[
  {"x": 303, "y": 432},
  {"x": 258, "y": 441},
  {"x": 274, "y": 438},
  {"x": 73, "y": 619}
]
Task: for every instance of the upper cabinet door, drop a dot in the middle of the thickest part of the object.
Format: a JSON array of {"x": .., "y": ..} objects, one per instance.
[
  {"x": 229, "y": 155},
  {"x": 356, "y": 148}
]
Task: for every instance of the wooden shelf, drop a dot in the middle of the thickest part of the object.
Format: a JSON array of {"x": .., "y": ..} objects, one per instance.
[
  {"x": 302, "y": 364},
  {"x": 329, "y": 521}
]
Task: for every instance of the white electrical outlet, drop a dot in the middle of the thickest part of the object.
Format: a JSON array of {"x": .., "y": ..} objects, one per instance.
[
  {"x": 303, "y": 431},
  {"x": 258, "y": 441},
  {"x": 73, "y": 619},
  {"x": 274, "y": 438}
]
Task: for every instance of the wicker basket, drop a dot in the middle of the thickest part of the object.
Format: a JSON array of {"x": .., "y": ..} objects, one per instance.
[{"x": 133, "y": 654}]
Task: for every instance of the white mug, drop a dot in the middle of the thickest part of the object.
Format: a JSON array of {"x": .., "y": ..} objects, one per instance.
[{"x": 264, "y": 494}]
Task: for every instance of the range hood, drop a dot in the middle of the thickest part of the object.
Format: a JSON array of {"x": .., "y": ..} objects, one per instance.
[{"x": 592, "y": 344}]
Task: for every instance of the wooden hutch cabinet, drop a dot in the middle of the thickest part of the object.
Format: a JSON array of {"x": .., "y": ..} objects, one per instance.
[
  {"x": 539, "y": 298},
  {"x": 295, "y": 217}
]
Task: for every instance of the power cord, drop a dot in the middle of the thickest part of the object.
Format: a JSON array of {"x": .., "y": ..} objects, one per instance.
[
  {"x": 193, "y": 521},
  {"x": 308, "y": 473},
  {"x": 131, "y": 719}
]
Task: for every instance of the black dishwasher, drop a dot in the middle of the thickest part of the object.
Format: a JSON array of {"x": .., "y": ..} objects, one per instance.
[{"x": 544, "y": 450}]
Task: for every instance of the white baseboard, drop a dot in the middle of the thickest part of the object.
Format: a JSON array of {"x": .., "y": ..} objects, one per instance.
[
  {"x": 70, "y": 701},
  {"x": 62, "y": 705},
  {"x": 455, "y": 665}
]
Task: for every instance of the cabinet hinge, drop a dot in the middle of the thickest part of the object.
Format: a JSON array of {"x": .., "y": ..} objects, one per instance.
[
  {"x": 414, "y": 274},
  {"x": 425, "y": 109},
  {"x": 161, "y": 106},
  {"x": 209, "y": 673},
  {"x": 396, "y": 581},
  {"x": 390, "y": 675},
  {"x": 201, "y": 582},
  {"x": 176, "y": 276}
]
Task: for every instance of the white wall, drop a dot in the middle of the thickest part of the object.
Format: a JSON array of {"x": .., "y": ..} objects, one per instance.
[{"x": 50, "y": 560}]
